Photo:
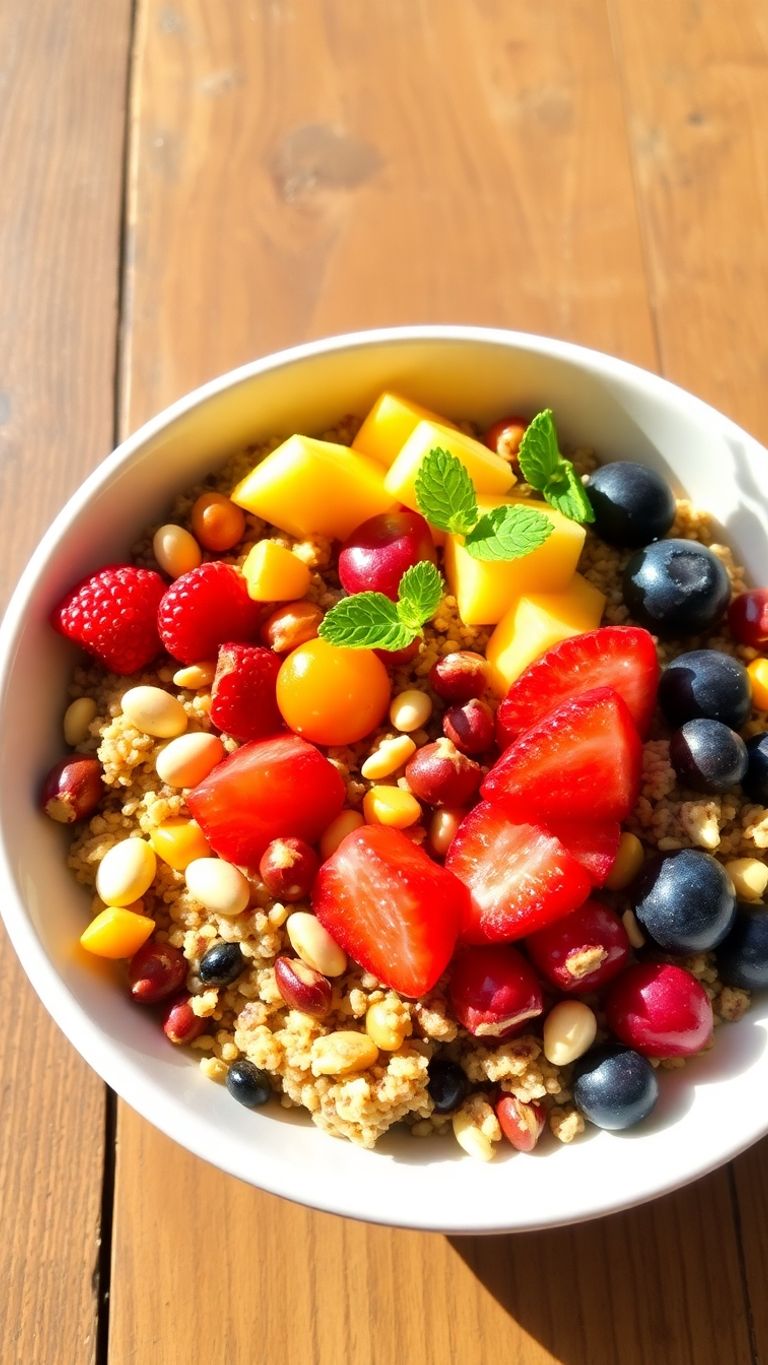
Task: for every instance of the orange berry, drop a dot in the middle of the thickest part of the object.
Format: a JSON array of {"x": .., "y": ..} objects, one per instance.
[
  {"x": 216, "y": 522},
  {"x": 331, "y": 695}
]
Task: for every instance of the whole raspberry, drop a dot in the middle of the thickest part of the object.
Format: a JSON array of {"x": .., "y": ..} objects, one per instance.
[
  {"x": 113, "y": 615},
  {"x": 243, "y": 701},
  {"x": 205, "y": 608}
]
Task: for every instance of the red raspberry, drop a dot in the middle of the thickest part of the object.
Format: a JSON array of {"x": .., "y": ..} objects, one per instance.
[
  {"x": 243, "y": 698},
  {"x": 113, "y": 615},
  {"x": 204, "y": 609}
]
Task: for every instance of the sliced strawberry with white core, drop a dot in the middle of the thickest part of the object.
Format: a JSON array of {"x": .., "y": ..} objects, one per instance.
[{"x": 593, "y": 844}]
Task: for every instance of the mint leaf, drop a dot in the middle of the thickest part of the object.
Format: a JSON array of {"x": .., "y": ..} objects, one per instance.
[
  {"x": 539, "y": 454},
  {"x": 445, "y": 493},
  {"x": 508, "y": 533},
  {"x": 567, "y": 494},
  {"x": 366, "y": 620},
  {"x": 419, "y": 592}
]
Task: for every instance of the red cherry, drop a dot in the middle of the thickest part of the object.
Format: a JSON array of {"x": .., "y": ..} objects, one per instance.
[
  {"x": 748, "y": 618},
  {"x": 504, "y": 437},
  {"x": 582, "y": 952},
  {"x": 660, "y": 1010},
  {"x": 494, "y": 991},
  {"x": 393, "y": 658},
  {"x": 379, "y": 551}
]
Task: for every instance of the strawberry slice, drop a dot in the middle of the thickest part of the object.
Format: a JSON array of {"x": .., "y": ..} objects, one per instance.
[
  {"x": 594, "y": 845},
  {"x": 583, "y": 761},
  {"x": 621, "y": 657},
  {"x": 520, "y": 877},
  {"x": 391, "y": 908},
  {"x": 269, "y": 789}
]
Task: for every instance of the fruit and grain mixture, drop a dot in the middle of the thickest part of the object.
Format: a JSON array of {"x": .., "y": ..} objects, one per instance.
[{"x": 419, "y": 776}]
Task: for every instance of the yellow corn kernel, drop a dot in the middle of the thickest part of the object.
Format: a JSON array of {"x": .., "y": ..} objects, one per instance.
[
  {"x": 387, "y": 1026},
  {"x": 758, "y": 676},
  {"x": 179, "y": 842},
  {"x": 274, "y": 574},
  {"x": 629, "y": 860},
  {"x": 332, "y": 835},
  {"x": 116, "y": 932},
  {"x": 390, "y": 806}
]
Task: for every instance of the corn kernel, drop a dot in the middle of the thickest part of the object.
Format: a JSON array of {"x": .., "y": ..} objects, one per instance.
[
  {"x": 390, "y": 806},
  {"x": 629, "y": 860},
  {"x": 386, "y": 1026},
  {"x": 332, "y": 835},
  {"x": 178, "y": 842},
  {"x": 390, "y": 755},
  {"x": 116, "y": 932},
  {"x": 749, "y": 877},
  {"x": 758, "y": 676}
]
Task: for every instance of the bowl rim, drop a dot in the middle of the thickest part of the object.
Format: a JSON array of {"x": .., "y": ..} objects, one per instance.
[{"x": 64, "y": 1007}]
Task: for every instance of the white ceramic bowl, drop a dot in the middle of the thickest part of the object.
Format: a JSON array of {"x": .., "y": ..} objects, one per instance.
[{"x": 460, "y": 371}]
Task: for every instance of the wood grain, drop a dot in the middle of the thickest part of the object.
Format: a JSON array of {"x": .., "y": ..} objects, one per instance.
[
  {"x": 62, "y": 77},
  {"x": 300, "y": 168}
]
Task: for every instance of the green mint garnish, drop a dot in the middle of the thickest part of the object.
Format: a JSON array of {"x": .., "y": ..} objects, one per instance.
[
  {"x": 370, "y": 620},
  {"x": 445, "y": 493},
  {"x": 546, "y": 470},
  {"x": 446, "y": 497}
]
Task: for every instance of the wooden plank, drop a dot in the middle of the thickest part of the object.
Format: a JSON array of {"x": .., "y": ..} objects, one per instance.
[
  {"x": 62, "y": 76},
  {"x": 695, "y": 94},
  {"x": 300, "y": 168}
]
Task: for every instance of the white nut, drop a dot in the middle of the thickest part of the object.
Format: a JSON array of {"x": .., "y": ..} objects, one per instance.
[
  {"x": 194, "y": 676},
  {"x": 175, "y": 550},
  {"x": 632, "y": 929},
  {"x": 749, "y": 877},
  {"x": 339, "y": 1054},
  {"x": 314, "y": 945},
  {"x": 189, "y": 759},
  {"x": 390, "y": 755},
  {"x": 77, "y": 720},
  {"x": 472, "y": 1138},
  {"x": 410, "y": 710},
  {"x": 569, "y": 1031},
  {"x": 154, "y": 712},
  {"x": 217, "y": 885},
  {"x": 442, "y": 829},
  {"x": 125, "y": 872}
]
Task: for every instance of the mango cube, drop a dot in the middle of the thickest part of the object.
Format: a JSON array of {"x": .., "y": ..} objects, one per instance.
[
  {"x": 485, "y": 589},
  {"x": 535, "y": 623},
  {"x": 388, "y": 425},
  {"x": 116, "y": 932},
  {"x": 488, "y": 472},
  {"x": 274, "y": 574},
  {"x": 309, "y": 487}
]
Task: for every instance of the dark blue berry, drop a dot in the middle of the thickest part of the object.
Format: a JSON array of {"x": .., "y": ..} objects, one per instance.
[
  {"x": 447, "y": 1085},
  {"x": 676, "y": 587},
  {"x": 742, "y": 958},
  {"x": 222, "y": 964},
  {"x": 633, "y": 505},
  {"x": 707, "y": 756},
  {"x": 248, "y": 1084},
  {"x": 615, "y": 1087},
  {"x": 705, "y": 682},
  {"x": 684, "y": 900},
  {"x": 755, "y": 782}
]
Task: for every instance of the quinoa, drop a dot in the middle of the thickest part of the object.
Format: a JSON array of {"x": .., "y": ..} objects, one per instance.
[{"x": 249, "y": 1018}]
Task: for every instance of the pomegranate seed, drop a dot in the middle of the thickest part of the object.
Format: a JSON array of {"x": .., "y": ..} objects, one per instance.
[
  {"x": 156, "y": 971},
  {"x": 748, "y": 617}
]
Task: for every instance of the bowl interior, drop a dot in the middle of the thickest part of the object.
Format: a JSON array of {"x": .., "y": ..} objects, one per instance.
[{"x": 622, "y": 412}]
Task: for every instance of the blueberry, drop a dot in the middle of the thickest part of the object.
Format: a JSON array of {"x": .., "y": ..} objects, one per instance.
[
  {"x": 685, "y": 901},
  {"x": 222, "y": 964},
  {"x": 705, "y": 682},
  {"x": 755, "y": 783},
  {"x": 632, "y": 504},
  {"x": 742, "y": 958},
  {"x": 676, "y": 587},
  {"x": 447, "y": 1085},
  {"x": 248, "y": 1084},
  {"x": 707, "y": 756},
  {"x": 615, "y": 1087}
]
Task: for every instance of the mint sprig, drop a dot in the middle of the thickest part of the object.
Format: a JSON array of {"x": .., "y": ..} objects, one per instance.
[
  {"x": 446, "y": 497},
  {"x": 549, "y": 472},
  {"x": 370, "y": 620}
]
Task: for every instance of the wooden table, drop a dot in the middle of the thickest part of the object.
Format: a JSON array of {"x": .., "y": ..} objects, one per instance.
[{"x": 192, "y": 183}]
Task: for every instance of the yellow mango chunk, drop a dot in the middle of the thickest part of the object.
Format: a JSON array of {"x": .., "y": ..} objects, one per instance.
[
  {"x": 488, "y": 472},
  {"x": 179, "y": 842},
  {"x": 274, "y": 574},
  {"x": 309, "y": 487},
  {"x": 535, "y": 623},
  {"x": 388, "y": 425},
  {"x": 116, "y": 932},
  {"x": 485, "y": 590}
]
